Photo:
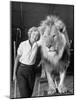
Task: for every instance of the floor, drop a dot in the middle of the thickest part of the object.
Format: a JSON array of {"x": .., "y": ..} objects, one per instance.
[{"x": 41, "y": 89}]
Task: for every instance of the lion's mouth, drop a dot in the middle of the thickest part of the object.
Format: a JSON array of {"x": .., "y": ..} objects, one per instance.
[{"x": 51, "y": 46}]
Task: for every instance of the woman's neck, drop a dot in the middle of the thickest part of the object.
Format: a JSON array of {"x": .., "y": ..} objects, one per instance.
[{"x": 31, "y": 44}]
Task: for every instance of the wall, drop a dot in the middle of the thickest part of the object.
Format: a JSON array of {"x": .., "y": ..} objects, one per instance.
[{"x": 25, "y": 15}]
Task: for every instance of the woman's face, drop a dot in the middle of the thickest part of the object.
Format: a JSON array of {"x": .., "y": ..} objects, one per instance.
[{"x": 34, "y": 36}]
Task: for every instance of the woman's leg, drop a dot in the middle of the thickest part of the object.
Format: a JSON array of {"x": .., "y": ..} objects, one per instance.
[
  {"x": 31, "y": 80},
  {"x": 23, "y": 83}
]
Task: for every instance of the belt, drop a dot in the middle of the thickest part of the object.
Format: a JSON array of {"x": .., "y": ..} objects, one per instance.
[{"x": 25, "y": 64}]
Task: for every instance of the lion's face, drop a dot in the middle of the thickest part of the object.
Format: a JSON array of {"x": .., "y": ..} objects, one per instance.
[{"x": 52, "y": 37}]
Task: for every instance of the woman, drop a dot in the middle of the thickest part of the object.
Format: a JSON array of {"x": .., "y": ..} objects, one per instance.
[{"x": 26, "y": 56}]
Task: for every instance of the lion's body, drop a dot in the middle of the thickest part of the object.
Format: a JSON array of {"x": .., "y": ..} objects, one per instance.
[{"x": 53, "y": 50}]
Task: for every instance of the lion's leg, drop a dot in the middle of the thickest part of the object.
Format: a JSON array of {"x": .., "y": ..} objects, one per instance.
[
  {"x": 61, "y": 86},
  {"x": 52, "y": 87},
  {"x": 43, "y": 74}
]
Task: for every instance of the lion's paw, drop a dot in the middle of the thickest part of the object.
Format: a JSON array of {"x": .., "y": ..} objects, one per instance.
[
  {"x": 51, "y": 91},
  {"x": 62, "y": 89}
]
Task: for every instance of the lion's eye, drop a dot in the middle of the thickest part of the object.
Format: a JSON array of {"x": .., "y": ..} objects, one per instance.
[
  {"x": 54, "y": 36},
  {"x": 61, "y": 30}
]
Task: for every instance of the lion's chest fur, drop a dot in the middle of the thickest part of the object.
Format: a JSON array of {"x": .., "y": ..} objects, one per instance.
[
  {"x": 51, "y": 60},
  {"x": 50, "y": 56}
]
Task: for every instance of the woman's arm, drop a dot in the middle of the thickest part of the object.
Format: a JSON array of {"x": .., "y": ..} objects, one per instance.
[{"x": 15, "y": 66}]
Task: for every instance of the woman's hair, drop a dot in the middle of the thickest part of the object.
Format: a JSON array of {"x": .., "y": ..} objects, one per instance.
[{"x": 32, "y": 29}]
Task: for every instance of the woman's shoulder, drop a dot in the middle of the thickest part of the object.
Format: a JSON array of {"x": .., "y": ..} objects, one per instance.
[{"x": 24, "y": 42}]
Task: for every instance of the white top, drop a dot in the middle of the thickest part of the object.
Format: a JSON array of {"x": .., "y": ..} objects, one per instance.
[{"x": 28, "y": 53}]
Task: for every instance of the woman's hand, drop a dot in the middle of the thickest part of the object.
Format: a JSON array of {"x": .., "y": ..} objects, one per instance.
[
  {"x": 14, "y": 77},
  {"x": 15, "y": 67}
]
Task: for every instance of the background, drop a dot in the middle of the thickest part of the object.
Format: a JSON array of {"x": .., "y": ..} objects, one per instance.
[
  {"x": 25, "y": 15},
  {"x": 5, "y": 48}
]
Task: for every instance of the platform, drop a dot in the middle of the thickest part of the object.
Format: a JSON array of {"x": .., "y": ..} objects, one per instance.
[{"x": 41, "y": 90}]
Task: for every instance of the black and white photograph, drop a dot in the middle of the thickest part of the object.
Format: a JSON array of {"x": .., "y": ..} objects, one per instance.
[{"x": 41, "y": 49}]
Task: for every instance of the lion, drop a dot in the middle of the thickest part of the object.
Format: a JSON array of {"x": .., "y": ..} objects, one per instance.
[{"x": 55, "y": 50}]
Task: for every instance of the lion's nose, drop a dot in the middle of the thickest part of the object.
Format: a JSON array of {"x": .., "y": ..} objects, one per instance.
[{"x": 49, "y": 45}]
